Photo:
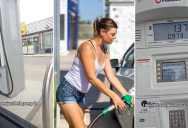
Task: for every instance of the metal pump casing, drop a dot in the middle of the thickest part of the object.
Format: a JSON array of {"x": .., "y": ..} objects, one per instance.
[
  {"x": 11, "y": 30},
  {"x": 149, "y": 57}
]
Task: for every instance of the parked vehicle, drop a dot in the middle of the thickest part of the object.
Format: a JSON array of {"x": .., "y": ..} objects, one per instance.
[{"x": 125, "y": 74}]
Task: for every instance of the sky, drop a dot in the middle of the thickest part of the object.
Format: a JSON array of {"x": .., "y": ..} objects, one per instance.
[
  {"x": 90, "y": 9},
  {"x": 35, "y": 10}
]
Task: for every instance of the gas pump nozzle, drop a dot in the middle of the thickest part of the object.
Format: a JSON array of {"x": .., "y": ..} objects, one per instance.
[{"x": 126, "y": 99}]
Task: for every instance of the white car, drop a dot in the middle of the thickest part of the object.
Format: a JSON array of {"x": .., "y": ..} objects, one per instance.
[{"x": 125, "y": 74}]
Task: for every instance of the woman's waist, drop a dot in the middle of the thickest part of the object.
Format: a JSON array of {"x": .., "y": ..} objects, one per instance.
[
  {"x": 65, "y": 81},
  {"x": 81, "y": 84}
]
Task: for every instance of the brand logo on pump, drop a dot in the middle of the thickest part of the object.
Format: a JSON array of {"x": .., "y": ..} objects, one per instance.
[
  {"x": 168, "y": 1},
  {"x": 158, "y": 1}
]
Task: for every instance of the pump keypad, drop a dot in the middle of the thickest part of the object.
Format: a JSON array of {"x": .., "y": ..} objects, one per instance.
[{"x": 177, "y": 119}]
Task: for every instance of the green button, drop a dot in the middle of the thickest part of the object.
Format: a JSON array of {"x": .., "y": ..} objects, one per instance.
[{"x": 142, "y": 120}]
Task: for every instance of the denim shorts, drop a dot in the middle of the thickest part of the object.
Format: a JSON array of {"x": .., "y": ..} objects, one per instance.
[{"x": 67, "y": 94}]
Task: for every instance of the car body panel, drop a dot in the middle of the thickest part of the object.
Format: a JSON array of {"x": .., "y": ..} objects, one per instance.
[
  {"x": 126, "y": 120},
  {"x": 125, "y": 75}
]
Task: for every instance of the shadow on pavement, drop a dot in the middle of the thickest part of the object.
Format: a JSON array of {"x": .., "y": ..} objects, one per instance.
[{"x": 103, "y": 122}]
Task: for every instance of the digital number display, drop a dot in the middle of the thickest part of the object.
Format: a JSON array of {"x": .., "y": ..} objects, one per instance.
[
  {"x": 173, "y": 71},
  {"x": 170, "y": 31}
]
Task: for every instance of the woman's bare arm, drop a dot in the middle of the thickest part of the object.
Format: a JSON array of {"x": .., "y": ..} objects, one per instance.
[
  {"x": 87, "y": 56},
  {"x": 113, "y": 79}
]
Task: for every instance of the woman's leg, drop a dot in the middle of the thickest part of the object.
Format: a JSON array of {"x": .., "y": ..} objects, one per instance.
[
  {"x": 82, "y": 110},
  {"x": 73, "y": 115}
]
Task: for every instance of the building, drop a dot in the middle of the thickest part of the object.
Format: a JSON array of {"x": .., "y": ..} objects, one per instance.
[
  {"x": 37, "y": 37},
  {"x": 68, "y": 25}
]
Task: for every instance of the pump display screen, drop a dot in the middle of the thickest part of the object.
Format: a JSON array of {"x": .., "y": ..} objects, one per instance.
[
  {"x": 173, "y": 71},
  {"x": 170, "y": 31}
]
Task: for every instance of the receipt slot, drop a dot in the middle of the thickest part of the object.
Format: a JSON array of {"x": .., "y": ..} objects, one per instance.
[
  {"x": 161, "y": 68},
  {"x": 12, "y": 78}
]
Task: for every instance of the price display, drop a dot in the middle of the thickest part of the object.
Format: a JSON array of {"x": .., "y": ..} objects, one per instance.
[{"x": 170, "y": 31}]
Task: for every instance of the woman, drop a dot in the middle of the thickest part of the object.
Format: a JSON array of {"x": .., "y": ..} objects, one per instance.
[{"x": 90, "y": 59}]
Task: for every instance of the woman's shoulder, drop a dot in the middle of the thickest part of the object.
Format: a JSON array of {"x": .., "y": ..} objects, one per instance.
[
  {"x": 85, "y": 46},
  {"x": 86, "y": 49}
]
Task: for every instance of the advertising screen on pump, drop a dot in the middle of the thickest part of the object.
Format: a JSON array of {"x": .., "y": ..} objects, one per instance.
[{"x": 123, "y": 15}]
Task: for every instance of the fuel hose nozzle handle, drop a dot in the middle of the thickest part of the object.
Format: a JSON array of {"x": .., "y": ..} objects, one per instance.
[{"x": 127, "y": 99}]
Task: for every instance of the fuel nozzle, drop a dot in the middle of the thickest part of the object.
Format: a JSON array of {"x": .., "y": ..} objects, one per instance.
[{"x": 127, "y": 99}]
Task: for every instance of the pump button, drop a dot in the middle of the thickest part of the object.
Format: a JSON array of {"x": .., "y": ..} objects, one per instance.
[
  {"x": 158, "y": 73},
  {"x": 158, "y": 69},
  {"x": 158, "y": 78},
  {"x": 158, "y": 64},
  {"x": 177, "y": 119},
  {"x": 142, "y": 120},
  {"x": 174, "y": 125}
]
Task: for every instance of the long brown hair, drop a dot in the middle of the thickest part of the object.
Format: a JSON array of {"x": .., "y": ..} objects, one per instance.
[{"x": 104, "y": 23}]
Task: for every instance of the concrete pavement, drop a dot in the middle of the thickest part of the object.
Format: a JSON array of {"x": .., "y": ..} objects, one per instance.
[{"x": 34, "y": 67}]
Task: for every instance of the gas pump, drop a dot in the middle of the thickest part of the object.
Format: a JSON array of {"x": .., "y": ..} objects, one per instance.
[
  {"x": 12, "y": 79},
  {"x": 161, "y": 64}
]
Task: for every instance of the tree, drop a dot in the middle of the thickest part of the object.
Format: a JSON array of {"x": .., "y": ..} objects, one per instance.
[
  {"x": 107, "y": 3},
  {"x": 88, "y": 22},
  {"x": 85, "y": 22},
  {"x": 82, "y": 22}
]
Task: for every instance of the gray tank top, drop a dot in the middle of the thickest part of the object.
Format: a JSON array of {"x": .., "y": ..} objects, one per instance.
[{"x": 77, "y": 76}]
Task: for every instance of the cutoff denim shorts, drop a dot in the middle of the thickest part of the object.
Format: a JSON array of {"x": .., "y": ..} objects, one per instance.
[{"x": 67, "y": 94}]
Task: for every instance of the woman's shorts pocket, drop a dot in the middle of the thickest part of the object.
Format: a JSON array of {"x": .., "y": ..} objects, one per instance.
[
  {"x": 68, "y": 91},
  {"x": 67, "y": 94}
]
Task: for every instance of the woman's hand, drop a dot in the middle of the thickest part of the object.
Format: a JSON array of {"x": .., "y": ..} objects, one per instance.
[{"x": 118, "y": 102}]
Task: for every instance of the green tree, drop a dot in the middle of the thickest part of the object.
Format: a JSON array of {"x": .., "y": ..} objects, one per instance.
[
  {"x": 107, "y": 4},
  {"x": 82, "y": 22},
  {"x": 88, "y": 22}
]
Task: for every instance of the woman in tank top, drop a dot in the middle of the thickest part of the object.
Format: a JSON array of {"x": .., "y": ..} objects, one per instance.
[{"x": 91, "y": 58}]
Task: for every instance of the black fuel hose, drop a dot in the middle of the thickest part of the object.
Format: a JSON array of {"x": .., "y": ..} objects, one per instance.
[
  {"x": 107, "y": 110},
  {"x": 6, "y": 94},
  {"x": 102, "y": 114},
  {"x": 96, "y": 118}
]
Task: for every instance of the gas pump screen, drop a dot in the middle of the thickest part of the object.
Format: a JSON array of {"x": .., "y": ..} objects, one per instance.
[
  {"x": 173, "y": 71},
  {"x": 170, "y": 31}
]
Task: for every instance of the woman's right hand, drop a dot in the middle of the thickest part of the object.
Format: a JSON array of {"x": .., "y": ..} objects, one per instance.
[{"x": 118, "y": 102}]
